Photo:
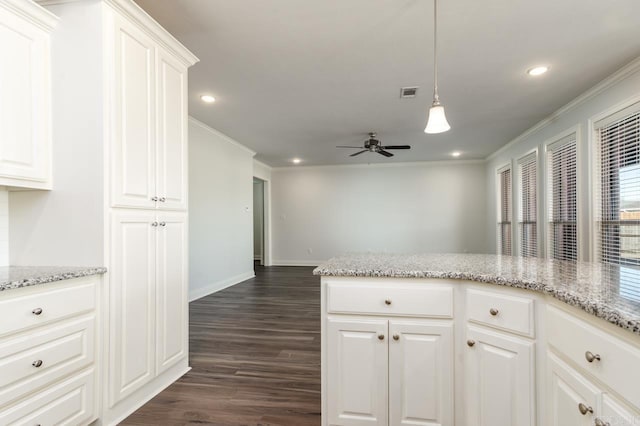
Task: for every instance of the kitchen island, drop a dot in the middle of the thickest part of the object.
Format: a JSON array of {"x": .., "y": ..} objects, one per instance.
[{"x": 470, "y": 339}]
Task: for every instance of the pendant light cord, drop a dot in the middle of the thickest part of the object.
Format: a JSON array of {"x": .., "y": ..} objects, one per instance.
[{"x": 436, "y": 99}]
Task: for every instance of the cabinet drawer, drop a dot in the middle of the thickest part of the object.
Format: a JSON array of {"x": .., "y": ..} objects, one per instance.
[
  {"x": 410, "y": 299},
  {"x": 69, "y": 403},
  {"x": 503, "y": 311},
  {"x": 51, "y": 304},
  {"x": 37, "y": 359},
  {"x": 579, "y": 341}
]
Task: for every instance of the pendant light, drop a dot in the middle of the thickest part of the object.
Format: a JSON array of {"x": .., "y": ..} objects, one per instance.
[{"x": 437, "y": 121}]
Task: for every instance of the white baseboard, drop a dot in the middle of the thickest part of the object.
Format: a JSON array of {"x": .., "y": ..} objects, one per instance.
[
  {"x": 257, "y": 257},
  {"x": 297, "y": 262},
  {"x": 199, "y": 292}
]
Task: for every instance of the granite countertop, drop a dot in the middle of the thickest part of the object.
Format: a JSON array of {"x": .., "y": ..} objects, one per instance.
[
  {"x": 610, "y": 292},
  {"x": 24, "y": 276}
]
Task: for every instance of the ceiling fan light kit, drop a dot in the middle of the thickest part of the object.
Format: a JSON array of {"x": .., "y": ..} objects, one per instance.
[{"x": 437, "y": 120}]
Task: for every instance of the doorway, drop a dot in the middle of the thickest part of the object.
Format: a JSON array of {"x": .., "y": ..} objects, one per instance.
[{"x": 259, "y": 221}]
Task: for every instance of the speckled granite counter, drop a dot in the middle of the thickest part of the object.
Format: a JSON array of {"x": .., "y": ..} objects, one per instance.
[
  {"x": 12, "y": 277},
  {"x": 609, "y": 292}
]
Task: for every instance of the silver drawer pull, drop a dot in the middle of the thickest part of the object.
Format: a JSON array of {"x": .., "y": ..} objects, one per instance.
[
  {"x": 163, "y": 223},
  {"x": 37, "y": 311},
  {"x": 387, "y": 302},
  {"x": 162, "y": 199},
  {"x": 470, "y": 343},
  {"x": 590, "y": 356},
  {"x": 37, "y": 363},
  {"x": 396, "y": 337},
  {"x": 600, "y": 422},
  {"x": 154, "y": 198},
  {"x": 584, "y": 410},
  {"x": 154, "y": 223},
  {"x": 380, "y": 336},
  {"x": 493, "y": 311}
]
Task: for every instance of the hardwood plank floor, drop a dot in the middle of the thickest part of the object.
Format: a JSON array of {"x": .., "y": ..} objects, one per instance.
[{"x": 255, "y": 356}]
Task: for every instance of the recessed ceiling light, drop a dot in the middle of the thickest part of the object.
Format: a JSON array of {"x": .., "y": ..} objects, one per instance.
[
  {"x": 538, "y": 70},
  {"x": 296, "y": 161},
  {"x": 208, "y": 99},
  {"x": 456, "y": 154}
]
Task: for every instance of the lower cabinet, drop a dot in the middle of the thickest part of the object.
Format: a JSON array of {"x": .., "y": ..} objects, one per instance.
[
  {"x": 499, "y": 379},
  {"x": 385, "y": 371},
  {"x": 148, "y": 300},
  {"x": 573, "y": 399}
]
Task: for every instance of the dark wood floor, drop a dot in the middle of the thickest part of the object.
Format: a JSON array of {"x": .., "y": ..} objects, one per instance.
[{"x": 255, "y": 356}]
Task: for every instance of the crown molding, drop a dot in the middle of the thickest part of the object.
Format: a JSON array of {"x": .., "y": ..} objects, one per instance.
[
  {"x": 624, "y": 72},
  {"x": 220, "y": 135},
  {"x": 133, "y": 12},
  {"x": 32, "y": 12},
  {"x": 379, "y": 165},
  {"x": 265, "y": 165}
]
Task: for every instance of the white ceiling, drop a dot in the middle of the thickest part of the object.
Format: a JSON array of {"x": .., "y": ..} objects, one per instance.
[{"x": 295, "y": 78}]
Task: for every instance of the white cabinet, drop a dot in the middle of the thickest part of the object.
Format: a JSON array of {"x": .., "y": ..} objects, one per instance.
[
  {"x": 357, "y": 371},
  {"x": 148, "y": 318},
  {"x": 25, "y": 103},
  {"x": 420, "y": 373},
  {"x": 149, "y": 150},
  {"x": 499, "y": 379},
  {"x": 573, "y": 399}
]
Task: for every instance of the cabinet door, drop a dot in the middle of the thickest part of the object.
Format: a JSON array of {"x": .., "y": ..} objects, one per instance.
[
  {"x": 614, "y": 413},
  {"x": 132, "y": 302},
  {"x": 172, "y": 133},
  {"x": 357, "y": 371},
  {"x": 171, "y": 290},
  {"x": 420, "y": 373},
  {"x": 133, "y": 159},
  {"x": 568, "y": 390},
  {"x": 24, "y": 101},
  {"x": 499, "y": 379}
]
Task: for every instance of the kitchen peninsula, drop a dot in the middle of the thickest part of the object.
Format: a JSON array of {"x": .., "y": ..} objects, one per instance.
[{"x": 472, "y": 339}]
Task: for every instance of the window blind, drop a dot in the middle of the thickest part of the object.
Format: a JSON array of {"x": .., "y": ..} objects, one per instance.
[
  {"x": 562, "y": 199},
  {"x": 504, "y": 214},
  {"x": 618, "y": 218},
  {"x": 527, "y": 214}
]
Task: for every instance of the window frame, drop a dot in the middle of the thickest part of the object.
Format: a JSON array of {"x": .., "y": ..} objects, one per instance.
[
  {"x": 517, "y": 207},
  {"x": 498, "y": 219},
  {"x": 581, "y": 247}
]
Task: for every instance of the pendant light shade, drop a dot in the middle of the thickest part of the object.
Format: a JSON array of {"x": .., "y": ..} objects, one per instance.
[{"x": 437, "y": 120}]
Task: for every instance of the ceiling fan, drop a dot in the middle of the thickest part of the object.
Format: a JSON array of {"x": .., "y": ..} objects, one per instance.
[{"x": 373, "y": 145}]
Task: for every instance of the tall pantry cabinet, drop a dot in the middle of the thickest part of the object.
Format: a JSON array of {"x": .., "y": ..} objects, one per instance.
[{"x": 142, "y": 121}]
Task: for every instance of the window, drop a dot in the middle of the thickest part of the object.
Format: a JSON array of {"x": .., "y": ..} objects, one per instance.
[
  {"x": 618, "y": 180},
  {"x": 562, "y": 203},
  {"x": 504, "y": 211},
  {"x": 527, "y": 213}
]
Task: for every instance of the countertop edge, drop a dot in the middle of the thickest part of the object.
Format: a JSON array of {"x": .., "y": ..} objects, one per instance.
[
  {"x": 45, "y": 278},
  {"x": 604, "y": 312}
]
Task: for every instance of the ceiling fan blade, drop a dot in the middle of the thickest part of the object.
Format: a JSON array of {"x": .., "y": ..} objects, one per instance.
[
  {"x": 345, "y": 146},
  {"x": 385, "y": 153},
  {"x": 396, "y": 147},
  {"x": 358, "y": 153}
]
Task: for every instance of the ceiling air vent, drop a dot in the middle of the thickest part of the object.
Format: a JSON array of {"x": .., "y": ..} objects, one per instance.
[{"x": 408, "y": 92}]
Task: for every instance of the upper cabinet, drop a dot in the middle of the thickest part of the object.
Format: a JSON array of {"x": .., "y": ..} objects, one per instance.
[
  {"x": 149, "y": 126},
  {"x": 25, "y": 100}
]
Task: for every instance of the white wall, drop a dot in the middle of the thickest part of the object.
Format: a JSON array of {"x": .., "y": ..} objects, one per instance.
[
  {"x": 65, "y": 226},
  {"x": 620, "y": 87},
  {"x": 411, "y": 207},
  {"x": 4, "y": 227},
  {"x": 220, "y": 205}
]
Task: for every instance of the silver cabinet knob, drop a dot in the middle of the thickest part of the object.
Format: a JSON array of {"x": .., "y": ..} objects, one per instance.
[
  {"x": 590, "y": 356},
  {"x": 37, "y": 363},
  {"x": 154, "y": 223},
  {"x": 37, "y": 311},
  {"x": 163, "y": 199},
  {"x": 396, "y": 337},
  {"x": 163, "y": 223},
  {"x": 584, "y": 409},
  {"x": 380, "y": 336},
  {"x": 493, "y": 311},
  {"x": 470, "y": 343},
  {"x": 154, "y": 198},
  {"x": 387, "y": 302},
  {"x": 600, "y": 422}
]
